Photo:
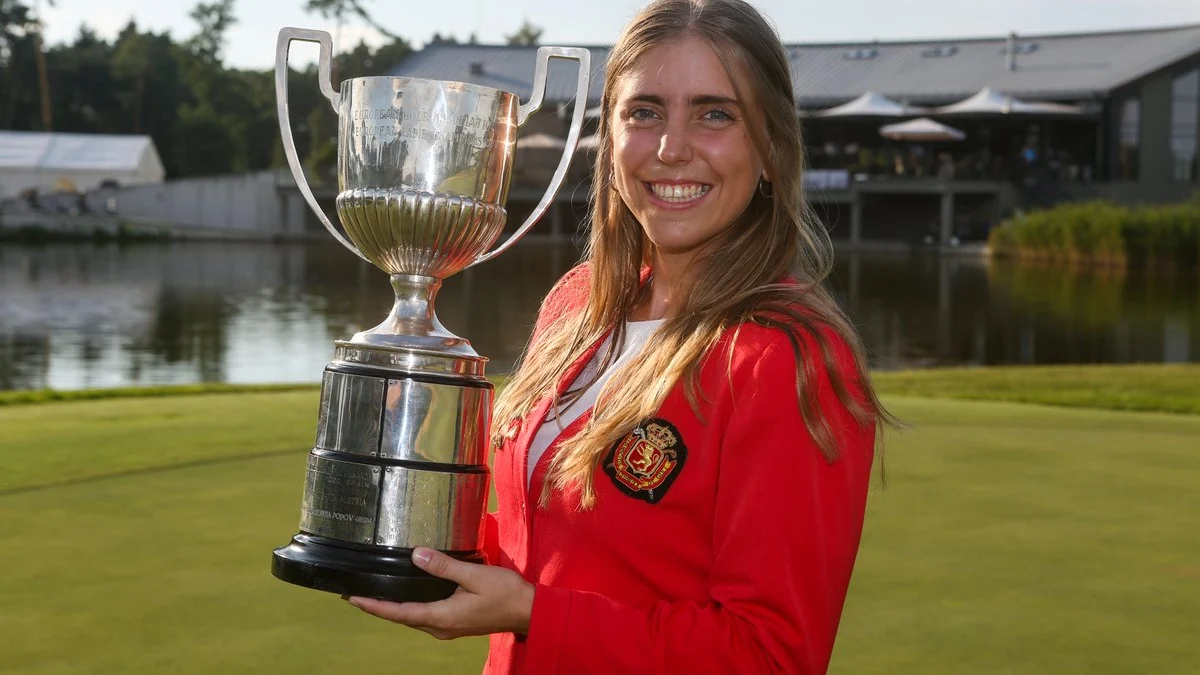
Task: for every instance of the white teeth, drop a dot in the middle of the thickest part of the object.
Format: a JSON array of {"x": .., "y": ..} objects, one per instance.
[{"x": 679, "y": 193}]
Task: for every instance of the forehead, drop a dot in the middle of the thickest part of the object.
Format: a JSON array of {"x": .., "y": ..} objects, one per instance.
[{"x": 683, "y": 66}]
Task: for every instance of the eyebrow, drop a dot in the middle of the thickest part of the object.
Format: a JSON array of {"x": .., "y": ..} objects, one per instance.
[{"x": 700, "y": 99}]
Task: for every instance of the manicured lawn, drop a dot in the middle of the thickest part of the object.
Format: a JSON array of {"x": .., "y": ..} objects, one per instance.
[
  {"x": 1009, "y": 539},
  {"x": 1156, "y": 387}
]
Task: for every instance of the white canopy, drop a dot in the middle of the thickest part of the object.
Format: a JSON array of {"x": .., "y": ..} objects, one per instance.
[
  {"x": 869, "y": 104},
  {"x": 919, "y": 130},
  {"x": 588, "y": 143},
  {"x": 991, "y": 102},
  {"x": 75, "y": 162},
  {"x": 542, "y": 141}
]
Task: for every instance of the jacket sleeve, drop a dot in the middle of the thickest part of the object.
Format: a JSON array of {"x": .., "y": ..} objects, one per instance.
[
  {"x": 491, "y": 539},
  {"x": 786, "y": 531}
]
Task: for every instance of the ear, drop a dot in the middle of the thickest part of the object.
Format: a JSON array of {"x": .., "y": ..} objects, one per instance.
[{"x": 766, "y": 175}]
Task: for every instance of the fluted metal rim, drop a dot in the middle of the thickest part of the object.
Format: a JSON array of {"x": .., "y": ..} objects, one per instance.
[{"x": 415, "y": 232}]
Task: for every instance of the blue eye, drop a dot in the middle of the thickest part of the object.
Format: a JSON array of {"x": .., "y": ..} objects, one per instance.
[
  {"x": 718, "y": 115},
  {"x": 641, "y": 114}
]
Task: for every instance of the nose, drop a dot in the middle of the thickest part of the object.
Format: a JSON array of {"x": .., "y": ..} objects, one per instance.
[{"x": 674, "y": 147}]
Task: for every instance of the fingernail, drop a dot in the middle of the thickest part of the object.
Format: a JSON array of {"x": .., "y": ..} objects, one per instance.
[
  {"x": 355, "y": 602},
  {"x": 421, "y": 557}
]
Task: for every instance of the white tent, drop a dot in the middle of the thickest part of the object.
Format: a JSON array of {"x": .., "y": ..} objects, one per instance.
[
  {"x": 52, "y": 162},
  {"x": 919, "y": 130},
  {"x": 869, "y": 104},
  {"x": 541, "y": 141},
  {"x": 991, "y": 102},
  {"x": 588, "y": 143}
]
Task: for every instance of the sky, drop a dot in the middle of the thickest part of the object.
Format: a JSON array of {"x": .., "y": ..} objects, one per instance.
[{"x": 251, "y": 43}]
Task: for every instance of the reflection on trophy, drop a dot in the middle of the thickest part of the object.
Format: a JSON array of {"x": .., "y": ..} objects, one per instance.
[{"x": 400, "y": 458}]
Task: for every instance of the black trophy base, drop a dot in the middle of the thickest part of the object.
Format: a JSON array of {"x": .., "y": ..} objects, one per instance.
[{"x": 388, "y": 574}]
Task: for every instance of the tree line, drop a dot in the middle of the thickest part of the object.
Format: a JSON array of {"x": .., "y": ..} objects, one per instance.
[{"x": 205, "y": 118}]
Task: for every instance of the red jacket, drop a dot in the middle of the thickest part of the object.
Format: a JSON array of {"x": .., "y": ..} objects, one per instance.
[{"x": 715, "y": 546}]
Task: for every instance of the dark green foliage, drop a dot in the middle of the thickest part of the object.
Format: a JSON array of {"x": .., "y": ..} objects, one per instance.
[
  {"x": 204, "y": 118},
  {"x": 1105, "y": 233}
]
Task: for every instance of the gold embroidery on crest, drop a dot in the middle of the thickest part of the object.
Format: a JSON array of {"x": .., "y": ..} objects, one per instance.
[{"x": 646, "y": 459}]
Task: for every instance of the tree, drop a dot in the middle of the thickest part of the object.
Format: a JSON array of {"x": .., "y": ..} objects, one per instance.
[
  {"x": 86, "y": 93},
  {"x": 527, "y": 35},
  {"x": 340, "y": 9},
  {"x": 148, "y": 73},
  {"x": 21, "y": 31},
  {"x": 15, "y": 25},
  {"x": 16, "y": 62},
  {"x": 203, "y": 142},
  {"x": 214, "y": 20}
]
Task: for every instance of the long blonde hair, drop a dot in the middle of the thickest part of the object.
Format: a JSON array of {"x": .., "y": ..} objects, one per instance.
[{"x": 741, "y": 280}]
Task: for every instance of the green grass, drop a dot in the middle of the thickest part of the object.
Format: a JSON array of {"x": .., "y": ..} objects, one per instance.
[
  {"x": 1161, "y": 388},
  {"x": 137, "y": 539},
  {"x": 54, "y": 395},
  {"x": 1010, "y": 538},
  {"x": 1026, "y": 539},
  {"x": 1146, "y": 387}
]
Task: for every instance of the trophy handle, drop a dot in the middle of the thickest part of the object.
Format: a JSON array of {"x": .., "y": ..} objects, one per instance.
[
  {"x": 282, "y": 47},
  {"x": 544, "y": 54}
]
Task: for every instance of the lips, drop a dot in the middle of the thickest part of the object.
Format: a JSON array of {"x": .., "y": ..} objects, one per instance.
[{"x": 678, "y": 193}]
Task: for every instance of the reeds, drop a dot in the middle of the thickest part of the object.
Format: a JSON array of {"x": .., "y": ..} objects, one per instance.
[{"x": 1103, "y": 233}]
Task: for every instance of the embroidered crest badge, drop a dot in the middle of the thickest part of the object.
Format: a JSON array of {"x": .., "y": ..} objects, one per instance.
[{"x": 645, "y": 463}]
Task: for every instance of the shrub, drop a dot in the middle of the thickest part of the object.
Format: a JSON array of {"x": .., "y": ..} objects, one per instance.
[{"x": 1101, "y": 232}]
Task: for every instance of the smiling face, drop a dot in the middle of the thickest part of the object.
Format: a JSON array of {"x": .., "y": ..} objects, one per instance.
[{"x": 683, "y": 159}]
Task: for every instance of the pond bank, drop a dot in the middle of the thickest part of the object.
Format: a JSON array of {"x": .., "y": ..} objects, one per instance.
[{"x": 1170, "y": 388}]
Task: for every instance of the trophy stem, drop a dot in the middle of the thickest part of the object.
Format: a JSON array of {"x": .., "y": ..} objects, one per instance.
[{"x": 413, "y": 322}]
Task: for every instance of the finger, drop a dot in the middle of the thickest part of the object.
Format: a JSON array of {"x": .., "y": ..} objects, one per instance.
[
  {"x": 441, "y": 565},
  {"x": 414, "y": 614}
]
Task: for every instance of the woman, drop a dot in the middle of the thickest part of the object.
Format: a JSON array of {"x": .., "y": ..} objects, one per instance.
[{"x": 682, "y": 458}]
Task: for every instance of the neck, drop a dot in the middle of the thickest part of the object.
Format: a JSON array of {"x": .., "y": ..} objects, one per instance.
[{"x": 665, "y": 292}]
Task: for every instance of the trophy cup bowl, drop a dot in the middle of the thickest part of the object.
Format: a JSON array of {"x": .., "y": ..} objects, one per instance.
[{"x": 400, "y": 457}]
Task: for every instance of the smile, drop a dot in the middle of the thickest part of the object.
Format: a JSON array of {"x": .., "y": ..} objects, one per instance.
[{"x": 679, "y": 194}]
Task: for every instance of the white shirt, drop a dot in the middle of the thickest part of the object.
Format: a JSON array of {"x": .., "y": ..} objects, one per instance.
[{"x": 636, "y": 335}]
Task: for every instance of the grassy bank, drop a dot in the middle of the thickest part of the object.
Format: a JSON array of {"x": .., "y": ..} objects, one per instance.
[
  {"x": 1151, "y": 388},
  {"x": 1173, "y": 388},
  {"x": 1104, "y": 233},
  {"x": 53, "y": 395},
  {"x": 1010, "y": 539}
]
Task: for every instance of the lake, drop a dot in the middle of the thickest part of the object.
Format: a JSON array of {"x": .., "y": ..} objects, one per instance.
[{"x": 84, "y": 315}]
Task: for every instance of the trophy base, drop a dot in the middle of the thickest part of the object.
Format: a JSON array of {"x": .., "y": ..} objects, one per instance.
[{"x": 323, "y": 565}]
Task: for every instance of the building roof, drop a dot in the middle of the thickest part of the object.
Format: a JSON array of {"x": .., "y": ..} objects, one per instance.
[
  {"x": 72, "y": 152},
  {"x": 502, "y": 67},
  {"x": 1064, "y": 67}
]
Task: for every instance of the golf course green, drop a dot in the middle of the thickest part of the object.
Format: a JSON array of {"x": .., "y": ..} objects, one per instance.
[{"x": 1052, "y": 529}]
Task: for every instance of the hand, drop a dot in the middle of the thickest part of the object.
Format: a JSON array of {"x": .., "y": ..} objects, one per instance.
[{"x": 488, "y": 600}]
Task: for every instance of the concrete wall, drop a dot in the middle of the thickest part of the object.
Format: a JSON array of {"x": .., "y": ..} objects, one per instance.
[{"x": 245, "y": 204}]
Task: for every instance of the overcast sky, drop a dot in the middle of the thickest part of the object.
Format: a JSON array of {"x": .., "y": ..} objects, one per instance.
[{"x": 592, "y": 22}]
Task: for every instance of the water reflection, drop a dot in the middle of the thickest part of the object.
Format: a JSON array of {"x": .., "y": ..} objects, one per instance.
[{"x": 79, "y": 315}]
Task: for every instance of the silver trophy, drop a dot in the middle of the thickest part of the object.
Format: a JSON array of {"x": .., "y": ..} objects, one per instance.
[{"x": 400, "y": 458}]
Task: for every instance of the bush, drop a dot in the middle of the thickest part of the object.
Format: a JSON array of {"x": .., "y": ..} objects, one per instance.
[{"x": 1100, "y": 232}]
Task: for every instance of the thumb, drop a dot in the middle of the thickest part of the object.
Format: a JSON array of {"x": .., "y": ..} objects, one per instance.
[{"x": 443, "y": 566}]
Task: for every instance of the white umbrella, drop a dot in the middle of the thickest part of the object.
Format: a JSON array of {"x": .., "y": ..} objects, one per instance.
[
  {"x": 869, "y": 104},
  {"x": 588, "y": 143},
  {"x": 541, "y": 141},
  {"x": 991, "y": 102},
  {"x": 921, "y": 130}
]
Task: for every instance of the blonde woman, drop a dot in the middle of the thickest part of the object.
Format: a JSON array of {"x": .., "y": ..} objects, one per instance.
[{"x": 682, "y": 457}]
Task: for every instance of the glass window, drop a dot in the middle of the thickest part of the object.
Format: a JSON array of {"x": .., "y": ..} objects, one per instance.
[
  {"x": 1129, "y": 139},
  {"x": 1185, "y": 118}
]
